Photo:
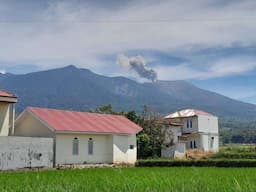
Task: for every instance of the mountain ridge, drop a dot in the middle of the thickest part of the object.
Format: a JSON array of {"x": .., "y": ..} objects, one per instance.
[{"x": 81, "y": 89}]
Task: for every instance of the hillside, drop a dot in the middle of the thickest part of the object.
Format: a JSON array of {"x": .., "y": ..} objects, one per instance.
[{"x": 81, "y": 89}]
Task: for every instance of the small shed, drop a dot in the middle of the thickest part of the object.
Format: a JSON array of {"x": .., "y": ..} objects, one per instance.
[{"x": 82, "y": 137}]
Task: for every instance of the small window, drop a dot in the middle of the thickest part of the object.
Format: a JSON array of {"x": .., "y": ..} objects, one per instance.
[
  {"x": 187, "y": 123},
  {"x": 212, "y": 142},
  {"x": 75, "y": 146},
  {"x": 90, "y": 146},
  {"x": 131, "y": 146},
  {"x": 190, "y": 123}
]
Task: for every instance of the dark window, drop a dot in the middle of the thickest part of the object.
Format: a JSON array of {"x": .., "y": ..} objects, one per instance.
[
  {"x": 195, "y": 144},
  {"x": 90, "y": 146},
  {"x": 75, "y": 146},
  {"x": 212, "y": 142},
  {"x": 190, "y": 122},
  {"x": 191, "y": 144},
  {"x": 131, "y": 146},
  {"x": 187, "y": 123}
]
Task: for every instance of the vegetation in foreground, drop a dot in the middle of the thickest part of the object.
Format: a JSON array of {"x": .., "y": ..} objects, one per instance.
[
  {"x": 236, "y": 151},
  {"x": 133, "y": 179}
]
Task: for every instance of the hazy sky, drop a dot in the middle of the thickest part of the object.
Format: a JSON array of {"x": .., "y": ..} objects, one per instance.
[{"x": 211, "y": 43}]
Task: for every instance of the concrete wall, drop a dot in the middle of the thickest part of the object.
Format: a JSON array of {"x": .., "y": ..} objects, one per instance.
[
  {"x": 122, "y": 149},
  {"x": 208, "y": 124},
  {"x": 168, "y": 152},
  {"x": 102, "y": 149},
  {"x": 4, "y": 118},
  {"x": 208, "y": 144},
  {"x": 29, "y": 126},
  {"x": 180, "y": 150},
  {"x": 22, "y": 152}
]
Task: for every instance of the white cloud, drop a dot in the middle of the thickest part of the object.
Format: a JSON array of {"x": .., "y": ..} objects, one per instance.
[
  {"x": 67, "y": 33},
  {"x": 219, "y": 68}
]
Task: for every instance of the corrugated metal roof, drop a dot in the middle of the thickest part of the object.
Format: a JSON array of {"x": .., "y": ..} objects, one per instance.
[
  {"x": 6, "y": 94},
  {"x": 72, "y": 121},
  {"x": 187, "y": 113}
]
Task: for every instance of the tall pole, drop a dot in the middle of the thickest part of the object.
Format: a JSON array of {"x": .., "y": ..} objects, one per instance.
[{"x": 13, "y": 118}]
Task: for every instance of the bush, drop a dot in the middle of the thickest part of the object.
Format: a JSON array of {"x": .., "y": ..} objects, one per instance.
[
  {"x": 234, "y": 155},
  {"x": 197, "y": 163}
]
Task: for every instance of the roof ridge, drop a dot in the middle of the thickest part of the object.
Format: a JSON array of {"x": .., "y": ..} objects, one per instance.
[{"x": 66, "y": 110}]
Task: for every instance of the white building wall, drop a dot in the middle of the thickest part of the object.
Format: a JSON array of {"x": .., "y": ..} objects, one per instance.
[
  {"x": 4, "y": 118},
  {"x": 208, "y": 144},
  {"x": 102, "y": 149},
  {"x": 208, "y": 124},
  {"x": 122, "y": 149}
]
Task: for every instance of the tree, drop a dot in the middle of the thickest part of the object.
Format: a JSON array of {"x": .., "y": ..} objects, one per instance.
[{"x": 154, "y": 135}]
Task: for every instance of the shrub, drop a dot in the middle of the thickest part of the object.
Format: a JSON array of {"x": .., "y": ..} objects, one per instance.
[{"x": 197, "y": 163}]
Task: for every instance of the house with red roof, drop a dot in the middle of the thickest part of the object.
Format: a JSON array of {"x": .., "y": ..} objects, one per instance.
[
  {"x": 7, "y": 112},
  {"x": 82, "y": 137},
  {"x": 198, "y": 130}
]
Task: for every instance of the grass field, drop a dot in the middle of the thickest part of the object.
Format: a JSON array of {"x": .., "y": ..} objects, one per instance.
[{"x": 133, "y": 179}]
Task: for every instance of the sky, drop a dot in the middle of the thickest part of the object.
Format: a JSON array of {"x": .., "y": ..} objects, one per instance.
[{"x": 210, "y": 43}]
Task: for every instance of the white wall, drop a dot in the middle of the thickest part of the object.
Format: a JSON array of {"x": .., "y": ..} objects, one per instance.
[
  {"x": 206, "y": 142},
  {"x": 22, "y": 152},
  {"x": 4, "y": 118},
  {"x": 102, "y": 149},
  {"x": 180, "y": 150},
  {"x": 121, "y": 149},
  {"x": 208, "y": 124}
]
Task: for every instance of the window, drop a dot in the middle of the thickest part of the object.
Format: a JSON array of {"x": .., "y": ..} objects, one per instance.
[
  {"x": 75, "y": 146},
  {"x": 131, "y": 146},
  {"x": 212, "y": 141},
  {"x": 189, "y": 123},
  {"x": 194, "y": 143},
  {"x": 191, "y": 144},
  {"x": 90, "y": 146}
]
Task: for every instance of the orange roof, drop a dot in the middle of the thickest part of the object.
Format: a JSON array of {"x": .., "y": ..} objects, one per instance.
[{"x": 71, "y": 121}]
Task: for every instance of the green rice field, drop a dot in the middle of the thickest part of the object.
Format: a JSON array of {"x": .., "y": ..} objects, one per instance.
[{"x": 187, "y": 179}]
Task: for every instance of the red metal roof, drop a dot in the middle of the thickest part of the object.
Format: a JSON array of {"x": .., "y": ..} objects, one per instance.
[
  {"x": 72, "y": 121},
  {"x": 6, "y": 94}
]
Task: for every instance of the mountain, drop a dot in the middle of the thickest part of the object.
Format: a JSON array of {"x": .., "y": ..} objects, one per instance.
[{"x": 81, "y": 89}]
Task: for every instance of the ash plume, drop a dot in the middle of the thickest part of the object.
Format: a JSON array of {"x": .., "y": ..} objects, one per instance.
[{"x": 138, "y": 64}]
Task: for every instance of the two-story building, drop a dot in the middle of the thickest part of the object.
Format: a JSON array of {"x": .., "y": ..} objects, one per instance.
[{"x": 198, "y": 130}]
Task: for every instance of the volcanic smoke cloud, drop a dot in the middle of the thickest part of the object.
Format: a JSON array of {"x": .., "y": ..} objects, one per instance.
[{"x": 138, "y": 64}]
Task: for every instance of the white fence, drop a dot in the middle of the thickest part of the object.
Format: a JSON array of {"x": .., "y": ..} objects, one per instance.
[{"x": 25, "y": 152}]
